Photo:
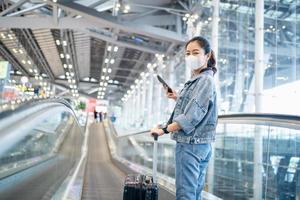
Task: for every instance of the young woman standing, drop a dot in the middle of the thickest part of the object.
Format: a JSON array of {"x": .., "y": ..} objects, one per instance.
[{"x": 194, "y": 120}]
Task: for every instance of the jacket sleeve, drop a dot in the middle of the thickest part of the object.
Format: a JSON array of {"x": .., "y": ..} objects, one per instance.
[{"x": 197, "y": 107}]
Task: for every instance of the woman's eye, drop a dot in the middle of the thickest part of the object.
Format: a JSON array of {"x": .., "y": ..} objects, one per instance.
[{"x": 195, "y": 53}]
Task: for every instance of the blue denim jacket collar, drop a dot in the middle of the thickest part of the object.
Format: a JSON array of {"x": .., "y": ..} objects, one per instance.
[{"x": 195, "y": 77}]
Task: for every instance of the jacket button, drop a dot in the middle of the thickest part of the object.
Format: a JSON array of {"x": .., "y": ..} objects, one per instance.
[{"x": 192, "y": 140}]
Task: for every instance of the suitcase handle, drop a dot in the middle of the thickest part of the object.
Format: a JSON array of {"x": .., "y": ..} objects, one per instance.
[
  {"x": 155, "y": 135},
  {"x": 154, "y": 167}
]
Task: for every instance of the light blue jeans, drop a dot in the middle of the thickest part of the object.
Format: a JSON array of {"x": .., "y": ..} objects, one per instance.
[{"x": 191, "y": 164}]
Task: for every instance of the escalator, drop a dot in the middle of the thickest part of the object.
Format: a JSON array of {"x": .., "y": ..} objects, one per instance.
[
  {"x": 102, "y": 179},
  {"x": 40, "y": 145}
]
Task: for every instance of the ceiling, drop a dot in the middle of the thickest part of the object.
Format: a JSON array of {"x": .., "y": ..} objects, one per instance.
[
  {"x": 87, "y": 45},
  {"x": 99, "y": 48}
]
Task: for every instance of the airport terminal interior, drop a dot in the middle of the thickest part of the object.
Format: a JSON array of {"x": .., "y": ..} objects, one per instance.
[{"x": 79, "y": 94}]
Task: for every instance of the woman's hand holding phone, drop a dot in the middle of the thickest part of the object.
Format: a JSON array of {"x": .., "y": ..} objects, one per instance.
[{"x": 171, "y": 95}]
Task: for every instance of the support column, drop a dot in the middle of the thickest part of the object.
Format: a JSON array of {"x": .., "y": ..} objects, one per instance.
[
  {"x": 259, "y": 54},
  {"x": 259, "y": 77},
  {"x": 215, "y": 40},
  {"x": 138, "y": 104},
  {"x": 215, "y": 48},
  {"x": 158, "y": 102},
  {"x": 191, "y": 29},
  {"x": 171, "y": 72},
  {"x": 143, "y": 104},
  {"x": 150, "y": 98}
]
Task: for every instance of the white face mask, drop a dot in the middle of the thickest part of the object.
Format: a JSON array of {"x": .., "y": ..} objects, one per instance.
[{"x": 194, "y": 62}]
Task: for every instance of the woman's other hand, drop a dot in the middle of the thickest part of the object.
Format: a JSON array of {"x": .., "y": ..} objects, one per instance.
[{"x": 156, "y": 130}]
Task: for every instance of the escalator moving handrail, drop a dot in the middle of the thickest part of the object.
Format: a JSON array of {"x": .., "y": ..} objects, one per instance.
[
  {"x": 34, "y": 102},
  {"x": 267, "y": 117}
]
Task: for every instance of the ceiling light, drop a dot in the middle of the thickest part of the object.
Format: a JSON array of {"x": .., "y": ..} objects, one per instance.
[
  {"x": 102, "y": 77},
  {"x": 57, "y": 42},
  {"x": 35, "y": 71},
  {"x": 29, "y": 62},
  {"x": 112, "y": 61},
  {"x": 65, "y": 66},
  {"x": 68, "y": 56},
  {"x": 21, "y": 51},
  {"x": 73, "y": 81},
  {"x": 116, "y": 48},
  {"x": 106, "y": 60},
  {"x": 109, "y": 70},
  {"x": 105, "y": 84},
  {"x": 72, "y": 73},
  {"x": 15, "y": 51},
  {"x": 30, "y": 70},
  {"x": 70, "y": 66},
  {"x": 3, "y": 36},
  {"x": 127, "y": 7},
  {"x": 101, "y": 83},
  {"x": 65, "y": 43},
  {"x": 104, "y": 70},
  {"x": 67, "y": 73},
  {"x": 23, "y": 61},
  {"x": 93, "y": 80},
  {"x": 109, "y": 48},
  {"x": 107, "y": 78},
  {"x": 62, "y": 55}
]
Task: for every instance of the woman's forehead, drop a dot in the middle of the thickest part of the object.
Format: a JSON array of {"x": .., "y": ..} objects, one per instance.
[{"x": 193, "y": 46}]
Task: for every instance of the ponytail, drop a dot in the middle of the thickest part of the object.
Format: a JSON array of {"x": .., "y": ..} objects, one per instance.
[{"x": 211, "y": 63}]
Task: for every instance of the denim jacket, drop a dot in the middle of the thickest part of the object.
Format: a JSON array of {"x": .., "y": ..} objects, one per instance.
[{"x": 196, "y": 110}]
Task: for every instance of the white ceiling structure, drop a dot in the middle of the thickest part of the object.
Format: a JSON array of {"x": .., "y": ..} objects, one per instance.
[
  {"x": 79, "y": 44},
  {"x": 102, "y": 46}
]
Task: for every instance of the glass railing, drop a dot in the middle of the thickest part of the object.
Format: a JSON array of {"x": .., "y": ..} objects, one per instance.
[
  {"x": 254, "y": 157},
  {"x": 40, "y": 144}
]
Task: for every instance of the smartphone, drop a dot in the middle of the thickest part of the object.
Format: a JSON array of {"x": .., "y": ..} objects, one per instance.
[{"x": 164, "y": 84}]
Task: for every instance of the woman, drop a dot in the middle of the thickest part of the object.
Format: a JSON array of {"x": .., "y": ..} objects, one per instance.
[{"x": 194, "y": 120}]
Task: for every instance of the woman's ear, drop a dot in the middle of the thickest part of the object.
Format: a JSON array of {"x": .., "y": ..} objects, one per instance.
[{"x": 208, "y": 56}]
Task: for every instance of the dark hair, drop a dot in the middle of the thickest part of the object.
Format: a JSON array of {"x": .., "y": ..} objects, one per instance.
[{"x": 204, "y": 44}]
